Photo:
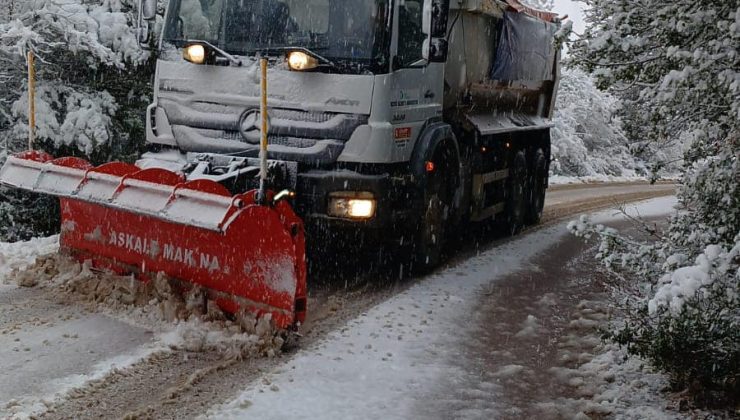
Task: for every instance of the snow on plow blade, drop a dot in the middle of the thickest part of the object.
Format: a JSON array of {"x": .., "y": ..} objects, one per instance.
[{"x": 249, "y": 257}]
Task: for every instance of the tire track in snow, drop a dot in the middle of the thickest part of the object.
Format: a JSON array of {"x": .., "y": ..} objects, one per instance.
[{"x": 47, "y": 348}]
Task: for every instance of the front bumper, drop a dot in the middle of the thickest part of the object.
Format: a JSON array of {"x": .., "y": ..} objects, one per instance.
[
  {"x": 314, "y": 189},
  {"x": 394, "y": 192}
]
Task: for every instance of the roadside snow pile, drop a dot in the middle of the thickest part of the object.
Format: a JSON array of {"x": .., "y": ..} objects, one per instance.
[
  {"x": 103, "y": 326},
  {"x": 603, "y": 380},
  {"x": 186, "y": 319},
  {"x": 17, "y": 256},
  {"x": 198, "y": 336},
  {"x": 595, "y": 179}
]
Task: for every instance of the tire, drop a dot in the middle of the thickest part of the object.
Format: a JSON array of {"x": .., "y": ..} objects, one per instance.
[
  {"x": 538, "y": 186},
  {"x": 432, "y": 229},
  {"x": 516, "y": 202}
]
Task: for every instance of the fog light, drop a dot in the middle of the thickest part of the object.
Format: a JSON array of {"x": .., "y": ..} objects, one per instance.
[{"x": 352, "y": 205}]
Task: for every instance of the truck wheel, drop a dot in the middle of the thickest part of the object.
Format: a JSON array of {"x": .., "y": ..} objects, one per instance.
[
  {"x": 538, "y": 187},
  {"x": 432, "y": 228},
  {"x": 516, "y": 204}
]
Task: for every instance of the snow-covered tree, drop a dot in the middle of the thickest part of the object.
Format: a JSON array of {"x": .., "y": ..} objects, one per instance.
[
  {"x": 676, "y": 65},
  {"x": 678, "y": 60},
  {"x": 76, "y": 43},
  {"x": 587, "y": 139},
  {"x": 93, "y": 84},
  {"x": 7, "y": 9}
]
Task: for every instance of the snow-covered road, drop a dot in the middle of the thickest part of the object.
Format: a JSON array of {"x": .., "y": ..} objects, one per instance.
[
  {"x": 43, "y": 353},
  {"x": 384, "y": 361},
  {"x": 48, "y": 348},
  {"x": 388, "y": 359},
  {"x": 402, "y": 358}
]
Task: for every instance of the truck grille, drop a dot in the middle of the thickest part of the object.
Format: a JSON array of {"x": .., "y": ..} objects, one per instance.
[
  {"x": 287, "y": 124},
  {"x": 278, "y": 140},
  {"x": 304, "y": 116}
]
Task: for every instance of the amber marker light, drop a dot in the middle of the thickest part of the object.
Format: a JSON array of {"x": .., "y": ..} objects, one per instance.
[
  {"x": 195, "y": 53},
  {"x": 300, "y": 61}
]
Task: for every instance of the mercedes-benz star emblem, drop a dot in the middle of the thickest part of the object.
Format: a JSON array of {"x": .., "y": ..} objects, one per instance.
[{"x": 250, "y": 123}]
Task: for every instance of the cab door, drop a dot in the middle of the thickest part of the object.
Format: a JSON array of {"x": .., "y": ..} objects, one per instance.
[{"x": 416, "y": 85}]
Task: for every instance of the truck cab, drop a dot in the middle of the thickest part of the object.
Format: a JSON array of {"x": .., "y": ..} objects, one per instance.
[{"x": 384, "y": 115}]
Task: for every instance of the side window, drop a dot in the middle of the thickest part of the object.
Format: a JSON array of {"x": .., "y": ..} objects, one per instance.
[{"x": 410, "y": 36}]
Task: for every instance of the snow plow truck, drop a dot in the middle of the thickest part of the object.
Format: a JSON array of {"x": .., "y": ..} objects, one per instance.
[{"x": 395, "y": 119}]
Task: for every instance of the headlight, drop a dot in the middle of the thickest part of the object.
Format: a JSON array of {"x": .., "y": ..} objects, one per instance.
[
  {"x": 195, "y": 53},
  {"x": 352, "y": 205},
  {"x": 299, "y": 61}
]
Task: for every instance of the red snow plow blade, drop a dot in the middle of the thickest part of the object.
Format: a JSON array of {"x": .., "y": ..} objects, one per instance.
[{"x": 248, "y": 256}]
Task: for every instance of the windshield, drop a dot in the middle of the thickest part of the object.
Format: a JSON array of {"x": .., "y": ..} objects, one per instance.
[{"x": 352, "y": 33}]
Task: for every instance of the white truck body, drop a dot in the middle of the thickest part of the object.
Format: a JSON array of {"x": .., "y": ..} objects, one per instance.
[{"x": 368, "y": 127}]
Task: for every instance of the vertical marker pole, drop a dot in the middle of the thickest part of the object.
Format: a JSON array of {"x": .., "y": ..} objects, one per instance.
[
  {"x": 31, "y": 100},
  {"x": 263, "y": 130}
]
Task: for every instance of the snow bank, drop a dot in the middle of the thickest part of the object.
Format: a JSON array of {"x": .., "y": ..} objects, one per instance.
[
  {"x": 603, "y": 380},
  {"x": 593, "y": 179},
  {"x": 19, "y": 255}
]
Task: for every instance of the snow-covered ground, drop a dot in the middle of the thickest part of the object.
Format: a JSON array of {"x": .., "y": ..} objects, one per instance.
[
  {"x": 54, "y": 340},
  {"x": 46, "y": 348},
  {"x": 382, "y": 363},
  {"x": 390, "y": 361},
  {"x": 564, "y": 179},
  {"x": 602, "y": 179}
]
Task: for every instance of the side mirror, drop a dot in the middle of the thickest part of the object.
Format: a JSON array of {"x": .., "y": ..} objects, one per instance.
[
  {"x": 434, "y": 18},
  {"x": 434, "y": 26},
  {"x": 435, "y": 50},
  {"x": 148, "y": 9},
  {"x": 147, "y": 14},
  {"x": 142, "y": 34}
]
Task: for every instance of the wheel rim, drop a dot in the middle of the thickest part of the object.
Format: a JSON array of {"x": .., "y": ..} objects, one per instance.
[
  {"x": 538, "y": 188},
  {"x": 432, "y": 231},
  {"x": 518, "y": 209}
]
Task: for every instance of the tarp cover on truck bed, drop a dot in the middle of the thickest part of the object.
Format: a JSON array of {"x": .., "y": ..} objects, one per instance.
[{"x": 526, "y": 49}]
